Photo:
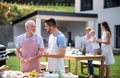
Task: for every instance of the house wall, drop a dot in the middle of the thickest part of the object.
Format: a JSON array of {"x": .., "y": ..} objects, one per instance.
[
  {"x": 77, "y": 30},
  {"x": 6, "y": 35},
  {"x": 18, "y": 30},
  {"x": 44, "y": 33},
  {"x": 111, "y": 15},
  {"x": 75, "y": 27}
]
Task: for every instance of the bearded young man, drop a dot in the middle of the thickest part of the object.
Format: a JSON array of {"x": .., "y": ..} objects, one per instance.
[{"x": 56, "y": 47}]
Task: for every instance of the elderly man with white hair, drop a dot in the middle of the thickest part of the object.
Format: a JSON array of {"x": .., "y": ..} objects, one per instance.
[{"x": 29, "y": 46}]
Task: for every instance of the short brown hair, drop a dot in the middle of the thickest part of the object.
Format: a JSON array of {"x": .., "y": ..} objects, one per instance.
[{"x": 51, "y": 22}]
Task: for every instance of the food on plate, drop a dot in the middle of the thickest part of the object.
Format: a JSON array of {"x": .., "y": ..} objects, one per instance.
[
  {"x": 33, "y": 73},
  {"x": 4, "y": 67},
  {"x": 12, "y": 74}
]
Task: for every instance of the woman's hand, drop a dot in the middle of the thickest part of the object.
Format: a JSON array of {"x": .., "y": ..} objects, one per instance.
[{"x": 99, "y": 41}]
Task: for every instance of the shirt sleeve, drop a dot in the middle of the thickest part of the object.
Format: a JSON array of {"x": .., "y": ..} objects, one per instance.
[
  {"x": 61, "y": 42},
  {"x": 40, "y": 42},
  {"x": 18, "y": 41}
]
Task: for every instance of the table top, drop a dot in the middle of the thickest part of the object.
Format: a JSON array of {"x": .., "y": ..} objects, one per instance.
[
  {"x": 84, "y": 57},
  {"x": 39, "y": 75}
]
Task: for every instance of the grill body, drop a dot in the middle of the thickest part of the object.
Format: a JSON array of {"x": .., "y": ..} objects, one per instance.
[{"x": 3, "y": 55}]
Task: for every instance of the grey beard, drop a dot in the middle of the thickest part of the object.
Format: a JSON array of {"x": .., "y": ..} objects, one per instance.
[{"x": 33, "y": 33}]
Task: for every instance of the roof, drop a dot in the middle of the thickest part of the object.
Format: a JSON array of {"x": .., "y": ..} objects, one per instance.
[{"x": 52, "y": 13}]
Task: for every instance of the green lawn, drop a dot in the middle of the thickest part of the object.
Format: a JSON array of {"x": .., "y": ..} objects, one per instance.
[
  {"x": 47, "y": 8},
  {"x": 13, "y": 63}
]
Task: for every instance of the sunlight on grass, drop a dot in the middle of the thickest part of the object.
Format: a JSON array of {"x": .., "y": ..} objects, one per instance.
[
  {"x": 47, "y": 8},
  {"x": 14, "y": 64}
]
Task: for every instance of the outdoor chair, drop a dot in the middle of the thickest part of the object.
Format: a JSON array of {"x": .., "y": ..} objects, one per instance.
[{"x": 97, "y": 64}]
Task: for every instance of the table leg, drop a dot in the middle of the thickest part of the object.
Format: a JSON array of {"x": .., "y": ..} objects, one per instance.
[
  {"x": 76, "y": 65},
  {"x": 102, "y": 68},
  {"x": 69, "y": 63}
]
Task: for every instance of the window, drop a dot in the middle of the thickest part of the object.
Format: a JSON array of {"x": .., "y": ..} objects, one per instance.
[
  {"x": 111, "y": 3},
  {"x": 117, "y": 33},
  {"x": 86, "y": 5}
]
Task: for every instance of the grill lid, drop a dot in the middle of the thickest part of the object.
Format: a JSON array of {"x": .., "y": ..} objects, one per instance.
[{"x": 2, "y": 48}]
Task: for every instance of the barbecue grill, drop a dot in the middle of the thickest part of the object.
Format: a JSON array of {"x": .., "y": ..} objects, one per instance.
[{"x": 3, "y": 55}]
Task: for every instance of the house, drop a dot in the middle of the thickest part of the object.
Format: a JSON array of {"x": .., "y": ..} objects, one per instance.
[
  {"x": 107, "y": 10},
  {"x": 87, "y": 13},
  {"x": 71, "y": 24}
]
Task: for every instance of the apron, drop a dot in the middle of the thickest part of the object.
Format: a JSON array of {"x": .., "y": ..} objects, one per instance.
[
  {"x": 29, "y": 49},
  {"x": 55, "y": 64}
]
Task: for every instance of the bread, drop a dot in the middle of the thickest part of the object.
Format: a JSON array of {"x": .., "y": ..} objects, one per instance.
[{"x": 3, "y": 68}]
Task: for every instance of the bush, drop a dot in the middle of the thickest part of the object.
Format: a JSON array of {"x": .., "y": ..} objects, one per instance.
[{"x": 8, "y": 13}]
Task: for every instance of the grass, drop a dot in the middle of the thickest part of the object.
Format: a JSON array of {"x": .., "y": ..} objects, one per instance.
[
  {"x": 47, "y": 8},
  {"x": 25, "y": 9},
  {"x": 14, "y": 64}
]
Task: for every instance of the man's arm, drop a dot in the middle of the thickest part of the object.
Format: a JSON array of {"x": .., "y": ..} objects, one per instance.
[
  {"x": 18, "y": 54},
  {"x": 61, "y": 54},
  {"x": 41, "y": 50},
  {"x": 18, "y": 46}
]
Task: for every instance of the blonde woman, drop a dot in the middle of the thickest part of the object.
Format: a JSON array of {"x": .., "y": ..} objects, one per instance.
[{"x": 88, "y": 51}]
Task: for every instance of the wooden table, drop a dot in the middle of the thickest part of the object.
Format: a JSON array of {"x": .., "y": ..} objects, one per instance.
[{"x": 77, "y": 58}]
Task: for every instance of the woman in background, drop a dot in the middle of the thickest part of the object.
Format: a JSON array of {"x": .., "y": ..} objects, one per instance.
[{"x": 106, "y": 47}]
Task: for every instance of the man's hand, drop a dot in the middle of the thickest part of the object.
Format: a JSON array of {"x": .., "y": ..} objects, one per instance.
[
  {"x": 28, "y": 60},
  {"x": 22, "y": 60},
  {"x": 45, "y": 54}
]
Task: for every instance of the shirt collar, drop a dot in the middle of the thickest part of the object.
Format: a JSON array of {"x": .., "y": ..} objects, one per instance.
[
  {"x": 29, "y": 37},
  {"x": 56, "y": 33}
]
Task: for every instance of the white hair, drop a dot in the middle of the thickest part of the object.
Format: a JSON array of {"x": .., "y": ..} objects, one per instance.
[{"x": 28, "y": 23}]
